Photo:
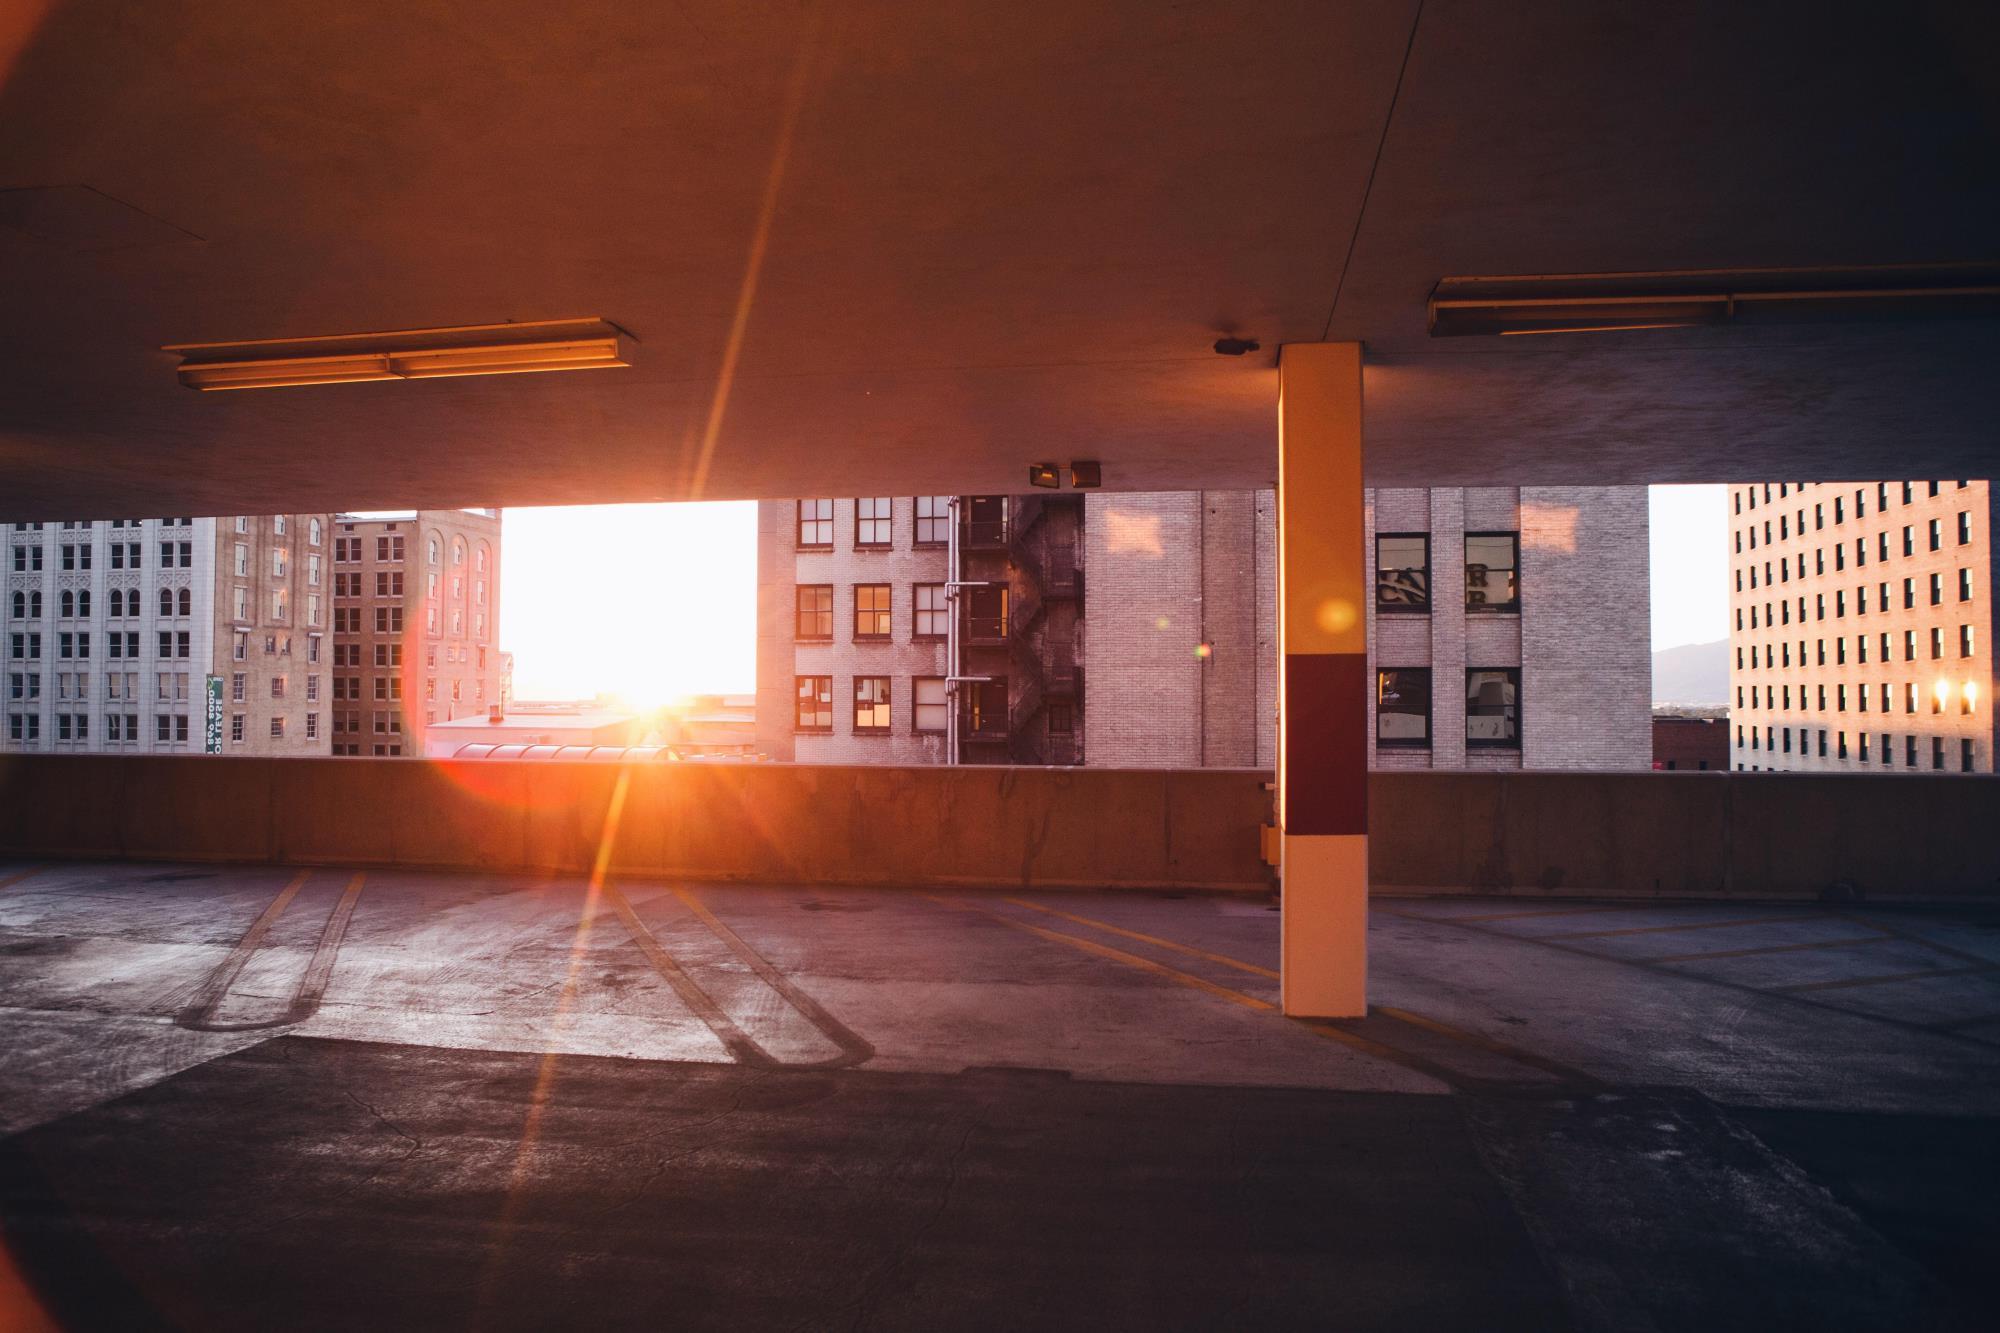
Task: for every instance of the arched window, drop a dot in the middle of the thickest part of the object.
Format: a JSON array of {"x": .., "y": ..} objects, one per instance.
[
  {"x": 20, "y": 605},
  {"x": 481, "y": 564},
  {"x": 117, "y": 602},
  {"x": 83, "y": 602},
  {"x": 68, "y": 603},
  {"x": 187, "y": 601},
  {"x": 166, "y": 601},
  {"x": 35, "y": 605},
  {"x": 312, "y": 532},
  {"x": 434, "y": 550},
  {"x": 458, "y": 550}
]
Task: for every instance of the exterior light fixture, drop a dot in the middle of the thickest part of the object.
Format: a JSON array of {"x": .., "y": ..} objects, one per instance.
[
  {"x": 1607, "y": 302},
  {"x": 1045, "y": 475},
  {"x": 1086, "y": 474},
  {"x": 410, "y": 354},
  {"x": 1230, "y": 345}
]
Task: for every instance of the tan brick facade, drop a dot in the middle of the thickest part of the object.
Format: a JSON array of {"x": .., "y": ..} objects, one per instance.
[{"x": 1861, "y": 625}]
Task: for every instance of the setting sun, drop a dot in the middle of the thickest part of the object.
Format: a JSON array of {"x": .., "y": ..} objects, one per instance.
[{"x": 647, "y": 603}]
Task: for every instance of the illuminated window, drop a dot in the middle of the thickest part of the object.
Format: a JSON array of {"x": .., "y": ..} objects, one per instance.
[
  {"x": 871, "y": 705},
  {"x": 815, "y": 611},
  {"x": 871, "y": 611},
  {"x": 814, "y": 704}
]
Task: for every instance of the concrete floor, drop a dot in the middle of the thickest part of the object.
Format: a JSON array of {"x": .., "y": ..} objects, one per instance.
[{"x": 240, "y": 1097}]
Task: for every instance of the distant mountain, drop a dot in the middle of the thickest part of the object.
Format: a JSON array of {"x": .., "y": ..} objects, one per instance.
[{"x": 1694, "y": 673}]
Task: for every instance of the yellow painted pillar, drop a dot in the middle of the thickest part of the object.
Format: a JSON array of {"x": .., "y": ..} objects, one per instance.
[{"x": 1322, "y": 683}]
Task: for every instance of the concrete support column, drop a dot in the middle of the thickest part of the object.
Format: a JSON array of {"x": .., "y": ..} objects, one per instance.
[{"x": 1323, "y": 682}]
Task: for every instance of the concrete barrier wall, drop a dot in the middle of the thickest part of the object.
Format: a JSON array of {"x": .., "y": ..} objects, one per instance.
[
  {"x": 1743, "y": 835},
  {"x": 1687, "y": 835},
  {"x": 770, "y": 823}
]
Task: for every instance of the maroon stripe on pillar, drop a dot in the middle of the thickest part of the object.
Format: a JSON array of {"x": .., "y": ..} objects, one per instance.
[{"x": 1326, "y": 743}]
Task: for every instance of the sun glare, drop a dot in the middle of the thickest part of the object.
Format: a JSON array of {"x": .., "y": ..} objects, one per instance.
[{"x": 644, "y": 603}]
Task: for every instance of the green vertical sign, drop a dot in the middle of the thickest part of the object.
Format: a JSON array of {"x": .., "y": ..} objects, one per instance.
[{"x": 214, "y": 729}]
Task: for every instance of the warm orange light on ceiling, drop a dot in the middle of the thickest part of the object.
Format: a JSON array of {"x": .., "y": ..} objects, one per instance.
[{"x": 477, "y": 349}]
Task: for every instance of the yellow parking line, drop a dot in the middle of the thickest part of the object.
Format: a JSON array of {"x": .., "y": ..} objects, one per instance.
[
  {"x": 20, "y": 875},
  {"x": 1841, "y": 982},
  {"x": 1116, "y": 955},
  {"x": 1223, "y": 959}
]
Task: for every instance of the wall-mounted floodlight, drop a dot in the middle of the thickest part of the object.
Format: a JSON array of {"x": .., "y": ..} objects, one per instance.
[
  {"x": 1085, "y": 474},
  {"x": 1608, "y": 302},
  {"x": 1045, "y": 475},
  {"x": 410, "y": 354}
]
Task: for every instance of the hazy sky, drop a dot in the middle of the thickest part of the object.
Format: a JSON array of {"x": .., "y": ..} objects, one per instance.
[
  {"x": 655, "y": 601},
  {"x": 647, "y": 601},
  {"x": 1690, "y": 559}
]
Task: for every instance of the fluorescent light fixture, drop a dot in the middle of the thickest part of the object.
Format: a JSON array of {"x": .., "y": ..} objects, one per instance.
[
  {"x": 409, "y": 354},
  {"x": 1615, "y": 302},
  {"x": 1045, "y": 475},
  {"x": 1086, "y": 473}
]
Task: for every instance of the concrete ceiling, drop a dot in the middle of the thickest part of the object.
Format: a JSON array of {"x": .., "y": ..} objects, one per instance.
[{"x": 963, "y": 236}]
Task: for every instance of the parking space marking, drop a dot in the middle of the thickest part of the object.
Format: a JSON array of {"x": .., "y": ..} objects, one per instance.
[
  {"x": 1174, "y": 975},
  {"x": 1762, "y": 949},
  {"x": 1491, "y": 1045},
  {"x": 1893, "y": 976},
  {"x": 19, "y": 875},
  {"x": 199, "y": 1012},
  {"x": 1947, "y": 950},
  {"x": 1698, "y": 925},
  {"x": 1188, "y": 949},
  {"x": 1331, "y": 1029},
  {"x": 853, "y": 1048}
]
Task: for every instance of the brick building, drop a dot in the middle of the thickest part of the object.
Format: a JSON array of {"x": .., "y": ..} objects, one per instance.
[
  {"x": 1861, "y": 626},
  {"x": 1526, "y": 646},
  {"x": 907, "y": 629},
  {"x": 1683, "y": 743},
  {"x": 168, "y": 635},
  {"x": 416, "y": 626}
]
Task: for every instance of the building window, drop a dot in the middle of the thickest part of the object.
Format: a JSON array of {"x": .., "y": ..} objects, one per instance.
[
  {"x": 1964, "y": 585},
  {"x": 933, "y": 520},
  {"x": 1965, "y": 640},
  {"x": 1491, "y": 563},
  {"x": 985, "y": 708},
  {"x": 815, "y": 612},
  {"x": 815, "y": 704},
  {"x": 1937, "y": 753},
  {"x": 986, "y": 614},
  {"x": 1062, "y": 719},
  {"x": 389, "y": 550},
  {"x": 871, "y": 611},
  {"x": 871, "y": 705},
  {"x": 1403, "y": 707},
  {"x": 816, "y": 524},
  {"x": 1403, "y": 572},
  {"x": 1965, "y": 755},
  {"x": 933, "y": 611},
  {"x": 312, "y": 726},
  {"x": 932, "y": 703},
  {"x": 1492, "y": 707},
  {"x": 1964, "y": 527},
  {"x": 873, "y": 521}
]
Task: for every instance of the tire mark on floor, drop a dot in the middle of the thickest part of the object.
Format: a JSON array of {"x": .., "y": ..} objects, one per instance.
[
  {"x": 199, "y": 1014},
  {"x": 853, "y": 1048},
  {"x": 733, "y": 1038},
  {"x": 200, "y": 1011}
]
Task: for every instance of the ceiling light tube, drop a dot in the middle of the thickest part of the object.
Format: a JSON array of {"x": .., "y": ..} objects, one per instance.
[{"x": 487, "y": 349}]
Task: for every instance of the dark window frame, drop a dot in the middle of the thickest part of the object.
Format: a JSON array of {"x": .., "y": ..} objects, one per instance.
[
  {"x": 885, "y": 523},
  {"x": 884, "y": 615},
  {"x": 818, "y": 522},
  {"x": 1512, "y": 605},
  {"x": 1395, "y": 608},
  {"x": 887, "y": 705},
  {"x": 1513, "y": 675},
  {"x": 1429, "y": 710},
  {"x": 822, "y": 699},
  {"x": 820, "y": 613},
  {"x": 939, "y": 522}
]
